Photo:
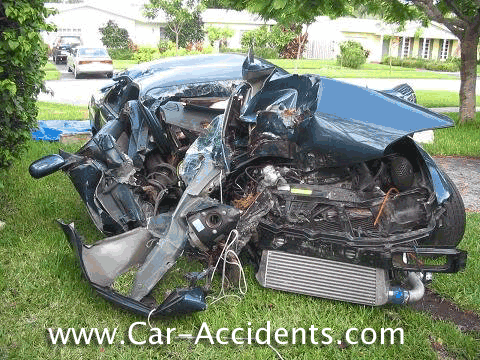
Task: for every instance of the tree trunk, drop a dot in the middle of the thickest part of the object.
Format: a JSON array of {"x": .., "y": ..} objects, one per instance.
[
  {"x": 468, "y": 74},
  {"x": 176, "y": 43},
  {"x": 301, "y": 41}
]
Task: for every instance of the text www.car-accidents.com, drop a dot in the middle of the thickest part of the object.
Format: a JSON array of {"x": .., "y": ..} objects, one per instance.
[{"x": 139, "y": 333}]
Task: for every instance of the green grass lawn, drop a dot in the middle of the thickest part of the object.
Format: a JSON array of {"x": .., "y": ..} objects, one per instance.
[
  {"x": 438, "y": 98},
  {"x": 329, "y": 68},
  {"x": 41, "y": 287},
  {"x": 120, "y": 65},
  {"x": 55, "y": 111},
  {"x": 51, "y": 72},
  {"x": 463, "y": 139}
]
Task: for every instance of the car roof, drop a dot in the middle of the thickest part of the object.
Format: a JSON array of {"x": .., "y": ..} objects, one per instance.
[{"x": 189, "y": 69}]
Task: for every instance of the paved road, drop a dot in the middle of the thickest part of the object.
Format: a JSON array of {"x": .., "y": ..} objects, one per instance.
[{"x": 78, "y": 91}]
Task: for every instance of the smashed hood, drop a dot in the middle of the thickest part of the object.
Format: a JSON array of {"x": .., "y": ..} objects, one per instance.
[{"x": 347, "y": 122}]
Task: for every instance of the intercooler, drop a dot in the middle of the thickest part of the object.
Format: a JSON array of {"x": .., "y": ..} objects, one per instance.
[{"x": 323, "y": 278}]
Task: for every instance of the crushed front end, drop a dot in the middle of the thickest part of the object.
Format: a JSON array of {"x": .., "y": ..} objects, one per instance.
[{"x": 324, "y": 199}]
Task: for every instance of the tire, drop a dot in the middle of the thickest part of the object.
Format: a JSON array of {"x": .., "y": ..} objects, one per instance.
[
  {"x": 451, "y": 224},
  {"x": 69, "y": 69}
]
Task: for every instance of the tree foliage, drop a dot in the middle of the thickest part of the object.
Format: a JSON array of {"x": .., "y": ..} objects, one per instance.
[
  {"x": 277, "y": 37},
  {"x": 114, "y": 37},
  {"x": 221, "y": 34},
  {"x": 192, "y": 31},
  {"x": 184, "y": 23},
  {"x": 22, "y": 56}
]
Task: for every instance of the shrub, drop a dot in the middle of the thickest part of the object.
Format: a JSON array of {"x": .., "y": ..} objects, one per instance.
[
  {"x": 184, "y": 52},
  {"x": 164, "y": 45},
  {"x": 145, "y": 53},
  {"x": 233, "y": 50},
  {"x": 121, "y": 54},
  {"x": 22, "y": 56},
  {"x": 451, "y": 64},
  {"x": 266, "y": 53},
  {"x": 352, "y": 54},
  {"x": 263, "y": 40}
]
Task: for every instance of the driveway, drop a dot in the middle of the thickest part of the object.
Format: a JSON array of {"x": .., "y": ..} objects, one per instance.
[
  {"x": 465, "y": 173},
  {"x": 69, "y": 90}
]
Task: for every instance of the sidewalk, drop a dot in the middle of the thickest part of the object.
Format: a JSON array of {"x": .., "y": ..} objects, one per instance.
[
  {"x": 416, "y": 84},
  {"x": 449, "y": 109}
]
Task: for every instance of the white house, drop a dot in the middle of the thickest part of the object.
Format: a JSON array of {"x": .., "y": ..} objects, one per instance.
[
  {"x": 238, "y": 21},
  {"x": 433, "y": 42},
  {"x": 381, "y": 39},
  {"x": 86, "y": 18}
]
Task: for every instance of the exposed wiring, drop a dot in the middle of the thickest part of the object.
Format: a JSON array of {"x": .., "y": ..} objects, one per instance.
[
  {"x": 225, "y": 254},
  {"x": 221, "y": 190},
  {"x": 148, "y": 318},
  {"x": 383, "y": 204}
]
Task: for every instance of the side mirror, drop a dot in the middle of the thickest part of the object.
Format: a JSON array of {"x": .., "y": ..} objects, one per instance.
[{"x": 46, "y": 166}]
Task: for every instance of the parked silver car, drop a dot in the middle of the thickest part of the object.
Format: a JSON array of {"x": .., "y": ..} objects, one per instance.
[{"x": 90, "y": 60}]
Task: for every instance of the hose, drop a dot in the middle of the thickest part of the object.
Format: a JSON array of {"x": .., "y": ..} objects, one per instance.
[{"x": 398, "y": 295}]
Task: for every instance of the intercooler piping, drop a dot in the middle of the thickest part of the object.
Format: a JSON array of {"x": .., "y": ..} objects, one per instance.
[{"x": 398, "y": 295}]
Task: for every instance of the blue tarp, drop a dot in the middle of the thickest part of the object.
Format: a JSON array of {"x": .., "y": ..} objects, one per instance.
[{"x": 52, "y": 129}]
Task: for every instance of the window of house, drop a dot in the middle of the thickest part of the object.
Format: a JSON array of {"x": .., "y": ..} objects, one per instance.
[
  {"x": 444, "y": 50},
  {"x": 426, "y": 48},
  {"x": 406, "y": 47},
  {"x": 163, "y": 35}
]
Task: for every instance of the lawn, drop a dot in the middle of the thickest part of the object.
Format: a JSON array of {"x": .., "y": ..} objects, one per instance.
[
  {"x": 329, "y": 68},
  {"x": 438, "y": 98},
  {"x": 42, "y": 287},
  {"x": 55, "y": 111},
  {"x": 463, "y": 139},
  {"x": 51, "y": 72},
  {"x": 120, "y": 65}
]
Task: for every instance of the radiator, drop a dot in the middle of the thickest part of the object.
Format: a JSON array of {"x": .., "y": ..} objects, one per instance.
[{"x": 323, "y": 278}]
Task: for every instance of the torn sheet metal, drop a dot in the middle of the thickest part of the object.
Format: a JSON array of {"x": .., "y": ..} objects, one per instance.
[{"x": 300, "y": 172}]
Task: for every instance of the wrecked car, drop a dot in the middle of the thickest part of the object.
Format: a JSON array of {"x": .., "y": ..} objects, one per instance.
[{"x": 317, "y": 183}]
